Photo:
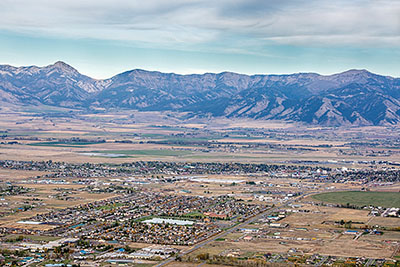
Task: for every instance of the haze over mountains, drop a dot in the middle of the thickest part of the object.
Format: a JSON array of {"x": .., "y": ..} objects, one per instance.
[{"x": 354, "y": 97}]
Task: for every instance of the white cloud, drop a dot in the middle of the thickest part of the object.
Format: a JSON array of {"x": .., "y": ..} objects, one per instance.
[{"x": 189, "y": 23}]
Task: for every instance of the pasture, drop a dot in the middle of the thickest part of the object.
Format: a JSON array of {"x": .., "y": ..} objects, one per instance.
[{"x": 361, "y": 198}]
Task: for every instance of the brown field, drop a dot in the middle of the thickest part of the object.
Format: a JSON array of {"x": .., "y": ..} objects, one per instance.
[
  {"x": 147, "y": 126},
  {"x": 15, "y": 175},
  {"x": 200, "y": 140},
  {"x": 44, "y": 193},
  {"x": 325, "y": 239}
]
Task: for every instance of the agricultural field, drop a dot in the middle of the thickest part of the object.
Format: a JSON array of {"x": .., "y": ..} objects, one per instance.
[
  {"x": 28, "y": 135},
  {"x": 361, "y": 198},
  {"x": 71, "y": 176}
]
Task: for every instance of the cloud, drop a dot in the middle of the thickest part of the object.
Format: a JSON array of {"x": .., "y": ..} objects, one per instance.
[{"x": 238, "y": 24}]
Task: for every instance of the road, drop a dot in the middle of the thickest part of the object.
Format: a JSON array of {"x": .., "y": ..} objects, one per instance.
[
  {"x": 369, "y": 262},
  {"x": 322, "y": 261},
  {"x": 230, "y": 230}
]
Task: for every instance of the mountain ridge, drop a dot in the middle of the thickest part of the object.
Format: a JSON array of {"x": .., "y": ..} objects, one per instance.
[{"x": 352, "y": 97}]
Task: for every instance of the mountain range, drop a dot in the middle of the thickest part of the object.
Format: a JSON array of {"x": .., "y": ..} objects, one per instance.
[{"x": 354, "y": 97}]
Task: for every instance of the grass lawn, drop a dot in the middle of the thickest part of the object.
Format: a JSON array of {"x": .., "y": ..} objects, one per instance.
[{"x": 361, "y": 198}]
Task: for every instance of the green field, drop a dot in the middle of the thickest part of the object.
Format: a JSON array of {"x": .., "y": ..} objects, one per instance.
[
  {"x": 361, "y": 198},
  {"x": 64, "y": 144},
  {"x": 32, "y": 237},
  {"x": 46, "y": 109},
  {"x": 161, "y": 152}
]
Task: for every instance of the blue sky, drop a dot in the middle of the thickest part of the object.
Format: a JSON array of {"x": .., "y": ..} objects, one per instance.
[{"x": 104, "y": 37}]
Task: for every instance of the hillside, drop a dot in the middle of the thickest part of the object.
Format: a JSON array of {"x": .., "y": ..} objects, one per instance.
[{"x": 354, "y": 97}]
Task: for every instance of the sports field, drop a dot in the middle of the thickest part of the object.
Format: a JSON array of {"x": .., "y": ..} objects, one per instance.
[{"x": 361, "y": 198}]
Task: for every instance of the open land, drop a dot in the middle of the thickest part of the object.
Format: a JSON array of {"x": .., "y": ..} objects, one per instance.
[
  {"x": 384, "y": 199},
  {"x": 149, "y": 188}
]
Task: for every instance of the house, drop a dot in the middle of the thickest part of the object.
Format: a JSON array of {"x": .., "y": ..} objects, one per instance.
[
  {"x": 247, "y": 238},
  {"x": 350, "y": 232},
  {"x": 278, "y": 225}
]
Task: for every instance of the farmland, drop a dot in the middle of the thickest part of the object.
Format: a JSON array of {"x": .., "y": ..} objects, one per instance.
[
  {"x": 360, "y": 199},
  {"x": 84, "y": 188}
]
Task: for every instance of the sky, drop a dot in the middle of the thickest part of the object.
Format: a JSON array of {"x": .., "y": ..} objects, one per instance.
[{"x": 101, "y": 38}]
